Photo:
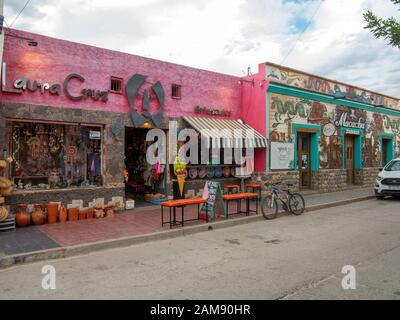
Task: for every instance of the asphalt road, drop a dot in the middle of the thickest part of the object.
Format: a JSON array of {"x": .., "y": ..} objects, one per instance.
[{"x": 287, "y": 258}]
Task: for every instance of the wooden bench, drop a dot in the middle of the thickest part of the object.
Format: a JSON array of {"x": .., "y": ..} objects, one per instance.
[
  {"x": 231, "y": 187},
  {"x": 239, "y": 197},
  {"x": 181, "y": 203},
  {"x": 254, "y": 187}
]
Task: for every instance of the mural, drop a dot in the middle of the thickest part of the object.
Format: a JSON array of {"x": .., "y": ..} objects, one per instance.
[
  {"x": 286, "y": 111},
  {"x": 312, "y": 83}
]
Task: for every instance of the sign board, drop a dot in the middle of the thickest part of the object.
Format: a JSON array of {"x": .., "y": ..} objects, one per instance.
[
  {"x": 282, "y": 155},
  {"x": 215, "y": 204},
  {"x": 94, "y": 135}
]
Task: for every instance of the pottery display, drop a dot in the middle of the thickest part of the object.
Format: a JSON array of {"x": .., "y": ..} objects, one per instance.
[
  {"x": 22, "y": 218},
  {"x": 82, "y": 214},
  {"x": 109, "y": 211},
  {"x": 63, "y": 214},
  {"x": 38, "y": 215},
  {"x": 73, "y": 214},
  {"x": 98, "y": 212},
  {"x": 52, "y": 212}
]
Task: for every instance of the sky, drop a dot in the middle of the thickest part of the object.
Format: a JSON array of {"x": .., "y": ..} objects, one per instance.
[{"x": 228, "y": 36}]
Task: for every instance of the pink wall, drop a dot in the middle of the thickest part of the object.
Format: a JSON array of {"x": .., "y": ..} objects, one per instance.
[
  {"x": 253, "y": 109},
  {"x": 53, "y": 59}
]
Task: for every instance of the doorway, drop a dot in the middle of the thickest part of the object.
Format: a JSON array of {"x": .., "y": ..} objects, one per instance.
[
  {"x": 349, "y": 158},
  {"x": 387, "y": 147},
  {"x": 304, "y": 159},
  {"x": 142, "y": 177}
]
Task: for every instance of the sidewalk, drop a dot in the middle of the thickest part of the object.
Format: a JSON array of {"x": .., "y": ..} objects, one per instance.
[{"x": 137, "y": 222}]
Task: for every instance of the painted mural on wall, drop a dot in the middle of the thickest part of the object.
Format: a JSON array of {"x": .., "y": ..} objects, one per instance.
[
  {"x": 286, "y": 111},
  {"x": 317, "y": 84}
]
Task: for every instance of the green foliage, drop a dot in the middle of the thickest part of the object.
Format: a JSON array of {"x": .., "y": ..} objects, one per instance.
[{"x": 384, "y": 28}]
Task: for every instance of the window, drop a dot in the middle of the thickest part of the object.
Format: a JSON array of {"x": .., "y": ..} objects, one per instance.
[
  {"x": 54, "y": 156},
  {"x": 176, "y": 92},
  {"x": 116, "y": 85},
  {"x": 393, "y": 166}
]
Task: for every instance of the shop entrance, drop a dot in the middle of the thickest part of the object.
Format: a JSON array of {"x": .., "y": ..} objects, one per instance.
[
  {"x": 142, "y": 178},
  {"x": 349, "y": 158},
  {"x": 304, "y": 159},
  {"x": 387, "y": 145}
]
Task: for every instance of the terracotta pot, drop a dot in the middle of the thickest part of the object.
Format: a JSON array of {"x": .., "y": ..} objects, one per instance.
[
  {"x": 63, "y": 214},
  {"x": 89, "y": 213},
  {"x": 109, "y": 211},
  {"x": 73, "y": 214},
  {"x": 98, "y": 212},
  {"x": 82, "y": 214},
  {"x": 52, "y": 212},
  {"x": 38, "y": 215},
  {"x": 22, "y": 217}
]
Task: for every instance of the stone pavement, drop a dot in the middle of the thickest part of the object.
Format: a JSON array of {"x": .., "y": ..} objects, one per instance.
[{"x": 135, "y": 222}]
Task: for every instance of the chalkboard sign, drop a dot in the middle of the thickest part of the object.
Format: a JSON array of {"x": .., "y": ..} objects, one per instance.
[{"x": 215, "y": 203}]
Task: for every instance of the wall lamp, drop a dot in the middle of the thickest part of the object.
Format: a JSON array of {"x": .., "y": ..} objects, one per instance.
[
  {"x": 31, "y": 42},
  {"x": 249, "y": 81}
]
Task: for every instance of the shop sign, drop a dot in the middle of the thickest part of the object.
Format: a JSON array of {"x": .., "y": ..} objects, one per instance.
[
  {"x": 282, "y": 155},
  {"x": 213, "y": 112},
  {"x": 354, "y": 132},
  {"x": 349, "y": 120},
  {"x": 23, "y": 84},
  {"x": 94, "y": 135}
]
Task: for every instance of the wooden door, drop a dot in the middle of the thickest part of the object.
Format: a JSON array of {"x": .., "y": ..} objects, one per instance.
[
  {"x": 349, "y": 158},
  {"x": 304, "y": 159}
]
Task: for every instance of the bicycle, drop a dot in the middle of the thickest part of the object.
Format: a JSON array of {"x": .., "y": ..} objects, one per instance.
[{"x": 293, "y": 202}]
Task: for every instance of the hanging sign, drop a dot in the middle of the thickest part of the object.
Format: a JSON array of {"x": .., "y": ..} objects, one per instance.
[
  {"x": 215, "y": 203},
  {"x": 94, "y": 135}
]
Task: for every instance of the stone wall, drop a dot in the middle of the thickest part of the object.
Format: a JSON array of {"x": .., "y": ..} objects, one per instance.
[
  {"x": 366, "y": 176},
  {"x": 65, "y": 196},
  {"x": 329, "y": 180},
  {"x": 268, "y": 179}
]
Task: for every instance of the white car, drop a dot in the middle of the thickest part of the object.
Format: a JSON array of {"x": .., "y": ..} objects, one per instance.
[{"x": 387, "y": 182}]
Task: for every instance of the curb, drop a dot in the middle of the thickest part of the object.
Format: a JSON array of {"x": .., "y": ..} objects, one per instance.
[{"x": 65, "y": 252}]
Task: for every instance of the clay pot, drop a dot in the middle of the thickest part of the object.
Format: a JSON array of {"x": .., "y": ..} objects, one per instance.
[
  {"x": 73, "y": 214},
  {"x": 98, "y": 212},
  {"x": 22, "y": 217},
  {"x": 89, "y": 213},
  {"x": 52, "y": 212},
  {"x": 63, "y": 214},
  {"x": 109, "y": 211},
  {"x": 82, "y": 214},
  {"x": 38, "y": 215}
]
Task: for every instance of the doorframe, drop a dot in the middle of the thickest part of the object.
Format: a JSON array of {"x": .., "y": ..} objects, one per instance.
[
  {"x": 357, "y": 145},
  {"x": 315, "y": 132},
  {"x": 390, "y": 150}
]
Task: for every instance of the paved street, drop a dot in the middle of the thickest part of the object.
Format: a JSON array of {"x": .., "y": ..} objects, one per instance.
[{"x": 290, "y": 257}]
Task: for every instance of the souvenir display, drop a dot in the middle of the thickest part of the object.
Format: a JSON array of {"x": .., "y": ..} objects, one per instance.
[
  {"x": 218, "y": 172},
  {"x": 193, "y": 173},
  {"x": 50, "y": 156},
  {"x": 202, "y": 173},
  {"x": 227, "y": 172},
  {"x": 210, "y": 172}
]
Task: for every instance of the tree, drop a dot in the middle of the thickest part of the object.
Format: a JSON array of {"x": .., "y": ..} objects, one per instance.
[{"x": 384, "y": 28}]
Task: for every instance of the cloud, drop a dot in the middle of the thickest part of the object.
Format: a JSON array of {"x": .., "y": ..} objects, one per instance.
[{"x": 229, "y": 35}]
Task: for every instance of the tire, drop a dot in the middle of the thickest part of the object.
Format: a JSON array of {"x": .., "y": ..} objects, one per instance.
[
  {"x": 269, "y": 208},
  {"x": 296, "y": 204}
]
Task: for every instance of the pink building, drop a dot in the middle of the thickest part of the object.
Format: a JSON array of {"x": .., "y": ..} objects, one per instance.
[{"x": 75, "y": 117}]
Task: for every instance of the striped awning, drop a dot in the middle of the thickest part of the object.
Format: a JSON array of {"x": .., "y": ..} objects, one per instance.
[{"x": 223, "y": 133}]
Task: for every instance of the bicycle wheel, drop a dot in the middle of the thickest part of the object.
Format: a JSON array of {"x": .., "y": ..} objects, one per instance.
[
  {"x": 269, "y": 208},
  {"x": 296, "y": 203}
]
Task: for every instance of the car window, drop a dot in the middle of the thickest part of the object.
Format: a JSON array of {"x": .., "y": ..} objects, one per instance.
[{"x": 393, "y": 166}]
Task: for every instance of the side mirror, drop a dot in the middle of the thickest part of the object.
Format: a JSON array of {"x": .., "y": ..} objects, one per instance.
[{"x": 380, "y": 169}]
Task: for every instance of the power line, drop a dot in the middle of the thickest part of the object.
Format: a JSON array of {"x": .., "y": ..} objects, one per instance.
[
  {"x": 19, "y": 13},
  {"x": 301, "y": 34}
]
